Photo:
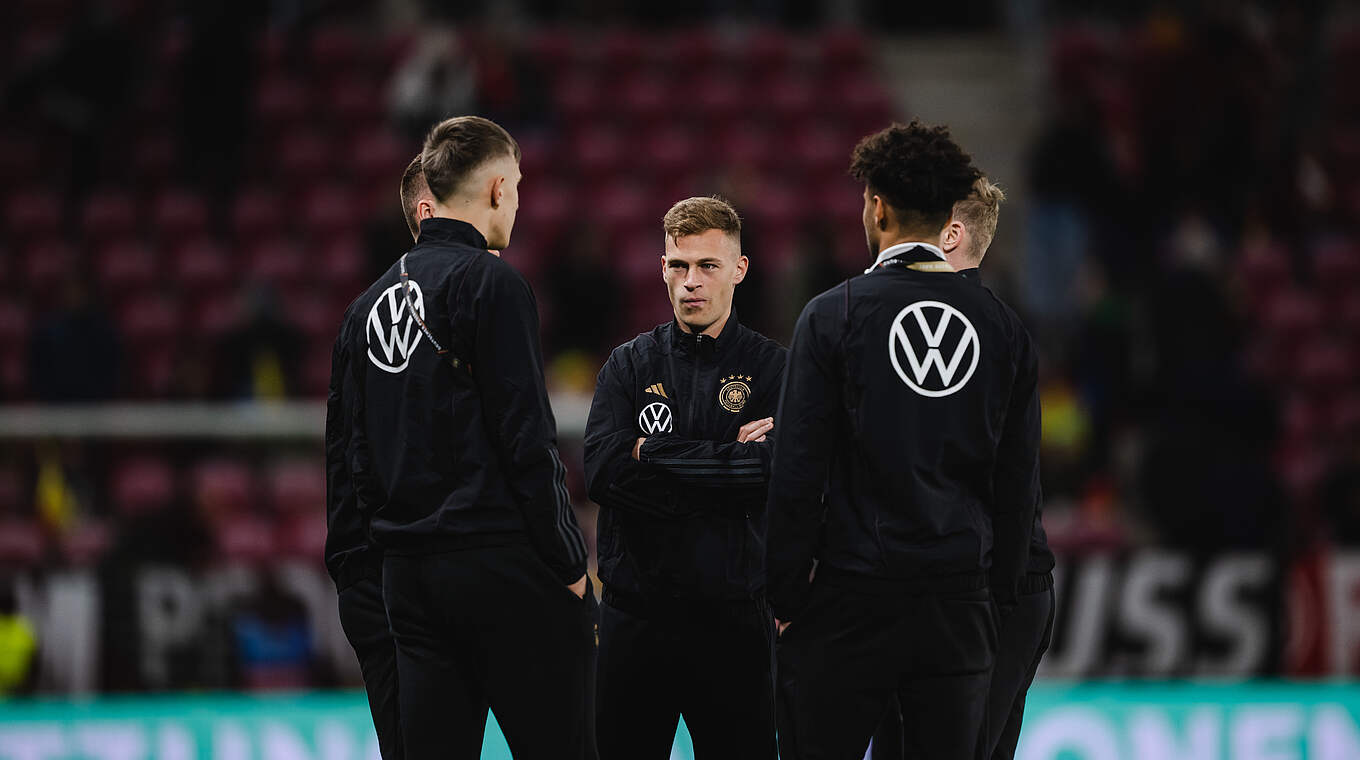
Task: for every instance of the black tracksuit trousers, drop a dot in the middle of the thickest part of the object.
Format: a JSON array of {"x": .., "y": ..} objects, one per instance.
[
  {"x": 364, "y": 620},
  {"x": 710, "y": 661},
  {"x": 491, "y": 627},
  {"x": 846, "y": 656}
]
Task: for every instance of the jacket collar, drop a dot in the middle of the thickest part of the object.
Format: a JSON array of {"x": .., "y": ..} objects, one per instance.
[
  {"x": 440, "y": 230},
  {"x": 972, "y": 274},
  {"x": 705, "y": 345},
  {"x": 913, "y": 251}
]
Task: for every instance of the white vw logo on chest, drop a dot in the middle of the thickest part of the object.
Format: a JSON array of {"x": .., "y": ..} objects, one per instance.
[
  {"x": 655, "y": 418},
  {"x": 912, "y": 330}
]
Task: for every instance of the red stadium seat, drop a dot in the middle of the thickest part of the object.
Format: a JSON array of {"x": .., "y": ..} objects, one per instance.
[
  {"x": 315, "y": 315},
  {"x": 339, "y": 263},
  {"x": 47, "y": 263},
  {"x": 1326, "y": 365},
  {"x": 257, "y": 212},
  {"x": 200, "y": 265},
  {"x": 1265, "y": 269},
  {"x": 140, "y": 485},
  {"x": 819, "y": 150},
  {"x": 538, "y": 152},
  {"x": 1337, "y": 266},
  {"x": 1346, "y": 312},
  {"x": 316, "y": 370},
  {"x": 276, "y": 261},
  {"x": 646, "y": 98},
  {"x": 178, "y": 214},
  {"x": 86, "y": 543},
  {"x": 546, "y": 208},
  {"x": 304, "y": 155},
  {"x": 23, "y": 543},
  {"x": 777, "y": 207},
  {"x": 693, "y": 50},
  {"x": 150, "y": 319},
  {"x": 1301, "y": 468},
  {"x": 553, "y": 48},
  {"x": 601, "y": 153},
  {"x": 32, "y": 213},
  {"x": 719, "y": 97},
  {"x": 126, "y": 265},
  {"x": 767, "y": 50},
  {"x": 356, "y": 102},
  {"x": 109, "y": 213},
  {"x": 579, "y": 99},
  {"x": 747, "y": 146},
  {"x": 20, "y": 161},
  {"x": 621, "y": 49},
  {"x": 246, "y": 538},
  {"x": 672, "y": 151},
  {"x": 14, "y": 322},
  {"x": 380, "y": 156},
  {"x": 788, "y": 99},
  {"x": 224, "y": 487},
  {"x": 1302, "y": 418},
  {"x": 297, "y": 485},
  {"x": 1344, "y": 417},
  {"x": 281, "y": 101},
  {"x": 303, "y": 536},
  {"x": 335, "y": 48},
  {"x": 1293, "y": 313},
  {"x": 844, "y": 49},
  {"x": 330, "y": 210},
  {"x": 214, "y": 314}
]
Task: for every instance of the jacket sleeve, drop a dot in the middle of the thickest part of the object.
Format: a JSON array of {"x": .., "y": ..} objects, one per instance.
[
  {"x": 340, "y": 495},
  {"x": 508, "y": 364},
  {"x": 613, "y": 478},
  {"x": 1015, "y": 481},
  {"x": 804, "y": 430},
  {"x": 715, "y": 464}
]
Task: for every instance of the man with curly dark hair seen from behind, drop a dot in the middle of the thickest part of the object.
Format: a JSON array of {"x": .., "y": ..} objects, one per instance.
[{"x": 905, "y": 476}]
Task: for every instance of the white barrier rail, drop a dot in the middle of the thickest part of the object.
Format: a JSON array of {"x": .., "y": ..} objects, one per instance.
[{"x": 243, "y": 420}]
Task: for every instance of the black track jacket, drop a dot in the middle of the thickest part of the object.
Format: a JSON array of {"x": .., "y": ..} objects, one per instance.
[
  {"x": 907, "y": 438},
  {"x": 688, "y": 520},
  {"x": 424, "y": 456}
]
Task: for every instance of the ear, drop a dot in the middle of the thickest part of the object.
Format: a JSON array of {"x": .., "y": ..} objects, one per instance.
[
  {"x": 424, "y": 209},
  {"x": 497, "y": 190},
  {"x": 743, "y": 264},
  {"x": 880, "y": 213},
  {"x": 665, "y": 271},
  {"x": 952, "y": 236}
]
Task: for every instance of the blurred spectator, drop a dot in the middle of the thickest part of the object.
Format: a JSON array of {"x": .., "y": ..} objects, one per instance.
[
  {"x": 435, "y": 82},
  {"x": 511, "y": 87},
  {"x": 18, "y": 646},
  {"x": 74, "y": 352},
  {"x": 271, "y": 640},
  {"x": 258, "y": 359}
]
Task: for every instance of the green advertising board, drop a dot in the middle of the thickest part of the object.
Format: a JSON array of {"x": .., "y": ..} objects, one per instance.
[{"x": 1095, "y": 721}]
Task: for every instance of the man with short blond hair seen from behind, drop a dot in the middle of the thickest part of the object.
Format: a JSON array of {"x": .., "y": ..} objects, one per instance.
[
  {"x": 677, "y": 457},
  {"x": 452, "y": 449}
]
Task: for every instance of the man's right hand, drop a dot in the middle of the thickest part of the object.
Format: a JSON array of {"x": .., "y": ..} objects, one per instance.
[
  {"x": 755, "y": 430},
  {"x": 579, "y": 587}
]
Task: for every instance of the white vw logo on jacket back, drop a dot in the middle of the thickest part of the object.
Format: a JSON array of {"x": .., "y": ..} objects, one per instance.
[
  {"x": 391, "y": 330},
  {"x": 916, "y": 318}
]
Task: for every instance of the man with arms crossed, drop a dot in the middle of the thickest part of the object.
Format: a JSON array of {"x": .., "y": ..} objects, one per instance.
[
  {"x": 451, "y": 447},
  {"x": 676, "y": 456},
  {"x": 907, "y": 468},
  {"x": 1027, "y": 628},
  {"x": 355, "y": 564}
]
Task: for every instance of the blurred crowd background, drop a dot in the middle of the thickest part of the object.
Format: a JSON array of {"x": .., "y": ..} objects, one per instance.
[{"x": 193, "y": 192}]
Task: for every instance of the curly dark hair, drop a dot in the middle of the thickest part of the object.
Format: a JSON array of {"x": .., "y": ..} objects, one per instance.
[{"x": 917, "y": 169}]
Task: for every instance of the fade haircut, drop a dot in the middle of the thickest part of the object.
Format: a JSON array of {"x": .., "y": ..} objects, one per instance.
[
  {"x": 694, "y": 216},
  {"x": 412, "y": 187},
  {"x": 979, "y": 212},
  {"x": 918, "y": 170},
  {"x": 457, "y": 147}
]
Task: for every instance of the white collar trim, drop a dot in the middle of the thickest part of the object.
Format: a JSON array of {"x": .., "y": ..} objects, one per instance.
[{"x": 892, "y": 251}]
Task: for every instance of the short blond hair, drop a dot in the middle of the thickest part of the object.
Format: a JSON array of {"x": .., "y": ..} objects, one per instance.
[
  {"x": 979, "y": 212},
  {"x": 697, "y": 215}
]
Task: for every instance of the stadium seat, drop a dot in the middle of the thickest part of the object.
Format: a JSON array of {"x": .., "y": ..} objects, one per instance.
[
  {"x": 645, "y": 99},
  {"x": 315, "y": 315},
  {"x": 281, "y": 101},
  {"x": 1302, "y": 418},
  {"x": 719, "y": 97},
  {"x": 339, "y": 263},
  {"x": 124, "y": 265},
  {"x": 330, "y": 210},
  {"x": 1325, "y": 365},
  {"x": 579, "y": 99},
  {"x": 85, "y": 543},
  {"x": 766, "y": 51},
  {"x": 256, "y": 212},
  {"x": 109, "y": 213},
  {"x": 303, "y": 536},
  {"x": 178, "y": 214},
  {"x": 13, "y": 499},
  {"x": 696, "y": 50},
  {"x": 223, "y": 487},
  {"x": 47, "y": 263},
  {"x": 302, "y": 156},
  {"x": 23, "y": 543},
  {"x": 32, "y": 213},
  {"x": 316, "y": 368},
  {"x": 154, "y": 157},
  {"x": 150, "y": 317},
  {"x": 1336, "y": 264},
  {"x": 1292, "y": 313},
  {"x": 246, "y": 538},
  {"x": 379, "y": 156},
  {"x": 20, "y": 161},
  {"x": 621, "y": 49},
  {"x": 216, "y": 313},
  {"x": 336, "y": 48},
  {"x": 843, "y": 49},
  {"x": 141, "y": 484},
  {"x": 788, "y": 99},
  {"x": 297, "y": 485},
  {"x": 745, "y": 145},
  {"x": 277, "y": 261},
  {"x": 356, "y": 102},
  {"x": 14, "y": 322},
  {"x": 672, "y": 151},
  {"x": 201, "y": 265}
]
